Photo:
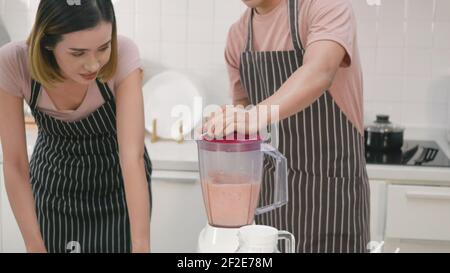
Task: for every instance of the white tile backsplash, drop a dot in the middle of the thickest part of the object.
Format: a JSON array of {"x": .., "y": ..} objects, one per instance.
[
  {"x": 173, "y": 7},
  {"x": 419, "y": 34},
  {"x": 150, "y": 8},
  {"x": 442, "y": 10},
  {"x": 441, "y": 62},
  {"x": 391, "y": 34},
  {"x": 404, "y": 47},
  {"x": 203, "y": 8},
  {"x": 420, "y": 10},
  {"x": 200, "y": 29},
  {"x": 174, "y": 29},
  {"x": 392, "y": 10},
  {"x": 441, "y": 35},
  {"x": 418, "y": 62},
  {"x": 390, "y": 61}
]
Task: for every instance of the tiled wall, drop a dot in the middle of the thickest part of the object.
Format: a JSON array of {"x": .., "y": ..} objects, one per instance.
[{"x": 405, "y": 48}]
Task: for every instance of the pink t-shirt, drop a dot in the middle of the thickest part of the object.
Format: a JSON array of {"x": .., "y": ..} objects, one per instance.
[
  {"x": 15, "y": 78},
  {"x": 318, "y": 20}
]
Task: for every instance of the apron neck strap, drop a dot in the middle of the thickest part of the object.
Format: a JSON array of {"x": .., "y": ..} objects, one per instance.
[
  {"x": 35, "y": 90},
  {"x": 293, "y": 26},
  {"x": 293, "y": 23},
  {"x": 104, "y": 90}
]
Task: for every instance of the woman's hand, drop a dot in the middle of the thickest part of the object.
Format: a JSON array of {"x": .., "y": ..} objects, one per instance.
[
  {"x": 140, "y": 247},
  {"x": 230, "y": 119},
  {"x": 36, "y": 248}
]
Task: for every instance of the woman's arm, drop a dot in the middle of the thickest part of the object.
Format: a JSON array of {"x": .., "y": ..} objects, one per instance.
[
  {"x": 16, "y": 170},
  {"x": 130, "y": 133}
]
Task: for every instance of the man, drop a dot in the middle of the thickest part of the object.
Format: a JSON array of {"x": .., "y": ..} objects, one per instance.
[{"x": 302, "y": 56}]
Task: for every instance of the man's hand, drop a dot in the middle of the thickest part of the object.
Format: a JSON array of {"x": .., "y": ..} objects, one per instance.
[{"x": 230, "y": 119}]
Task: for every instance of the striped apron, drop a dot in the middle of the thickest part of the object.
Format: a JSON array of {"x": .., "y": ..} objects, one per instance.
[
  {"x": 77, "y": 180},
  {"x": 328, "y": 189}
]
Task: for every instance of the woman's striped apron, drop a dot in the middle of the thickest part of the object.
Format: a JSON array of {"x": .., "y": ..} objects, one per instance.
[
  {"x": 328, "y": 189},
  {"x": 77, "y": 180}
]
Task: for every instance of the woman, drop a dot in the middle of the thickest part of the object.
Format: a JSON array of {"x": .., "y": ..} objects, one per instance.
[
  {"x": 302, "y": 56},
  {"x": 87, "y": 185}
]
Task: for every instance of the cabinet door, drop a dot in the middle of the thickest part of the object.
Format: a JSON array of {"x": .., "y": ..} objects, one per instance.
[
  {"x": 418, "y": 212},
  {"x": 377, "y": 210},
  {"x": 418, "y": 219},
  {"x": 10, "y": 234},
  {"x": 178, "y": 214}
]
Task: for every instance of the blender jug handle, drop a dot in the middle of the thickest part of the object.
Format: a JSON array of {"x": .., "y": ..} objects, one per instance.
[
  {"x": 280, "y": 184},
  {"x": 290, "y": 240}
]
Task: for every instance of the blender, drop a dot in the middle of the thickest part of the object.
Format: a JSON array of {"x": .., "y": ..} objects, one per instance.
[{"x": 231, "y": 172}]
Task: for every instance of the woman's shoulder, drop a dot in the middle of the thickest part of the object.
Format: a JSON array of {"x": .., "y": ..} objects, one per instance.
[
  {"x": 128, "y": 59},
  {"x": 14, "y": 72},
  {"x": 125, "y": 45},
  {"x": 14, "y": 53}
]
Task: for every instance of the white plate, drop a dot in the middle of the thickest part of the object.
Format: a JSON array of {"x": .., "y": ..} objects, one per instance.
[{"x": 166, "y": 95}]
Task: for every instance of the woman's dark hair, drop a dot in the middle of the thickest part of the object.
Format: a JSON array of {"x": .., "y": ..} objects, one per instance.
[{"x": 55, "y": 18}]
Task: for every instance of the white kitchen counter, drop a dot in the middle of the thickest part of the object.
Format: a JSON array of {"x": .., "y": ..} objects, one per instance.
[{"x": 169, "y": 155}]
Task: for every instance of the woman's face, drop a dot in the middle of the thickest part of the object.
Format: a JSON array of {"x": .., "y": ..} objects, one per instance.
[{"x": 81, "y": 54}]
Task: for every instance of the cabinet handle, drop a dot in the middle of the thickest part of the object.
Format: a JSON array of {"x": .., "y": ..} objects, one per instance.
[
  {"x": 178, "y": 177},
  {"x": 428, "y": 195}
]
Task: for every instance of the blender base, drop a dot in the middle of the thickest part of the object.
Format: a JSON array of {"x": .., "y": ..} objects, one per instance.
[{"x": 218, "y": 240}]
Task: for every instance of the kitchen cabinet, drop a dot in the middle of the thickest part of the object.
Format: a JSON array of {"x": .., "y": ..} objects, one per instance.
[
  {"x": 178, "y": 214},
  {"x": 417, "y": 218},
  {"x": 377, "y": 210},
  {"x": 11, "y": 238}
]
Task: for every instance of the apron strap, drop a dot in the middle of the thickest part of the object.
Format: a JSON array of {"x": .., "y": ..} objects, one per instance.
[
  {"x": 293, "y": 23},
  {"x": 249, "y": 45},
  {"x": 104, "y": 90},
  {"x": 35, "y": 91}
]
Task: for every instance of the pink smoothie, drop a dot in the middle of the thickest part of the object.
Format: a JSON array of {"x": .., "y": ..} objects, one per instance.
[{"x": 230, "y": 201}]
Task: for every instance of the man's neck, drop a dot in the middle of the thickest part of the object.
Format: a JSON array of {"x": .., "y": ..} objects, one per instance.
[{"x": 267, "y": 6}]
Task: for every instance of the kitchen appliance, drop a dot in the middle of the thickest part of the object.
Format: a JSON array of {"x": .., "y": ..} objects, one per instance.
[
  {"x": 382, "y": 135},
  {"x": 231, "y": 172},
  {"x": 412, "y": 153},
  {"x": 263, "y": 239}
]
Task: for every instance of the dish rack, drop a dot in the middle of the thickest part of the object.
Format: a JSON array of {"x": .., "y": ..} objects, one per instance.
[{"x": 155, "y": 138}]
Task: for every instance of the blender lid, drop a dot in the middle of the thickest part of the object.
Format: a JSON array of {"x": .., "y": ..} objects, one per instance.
[
  {"x": 231, "y": 143},
  {"x": 235, "y": 139}
]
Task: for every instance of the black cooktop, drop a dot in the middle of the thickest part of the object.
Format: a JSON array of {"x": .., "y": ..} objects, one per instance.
[{"x": 413, "y": 153}]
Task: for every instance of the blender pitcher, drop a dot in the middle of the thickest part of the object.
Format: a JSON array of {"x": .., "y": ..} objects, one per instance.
[{"x": 231, "y": 174}]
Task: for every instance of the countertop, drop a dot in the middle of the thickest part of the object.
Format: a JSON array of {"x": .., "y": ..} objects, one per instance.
[{"x": 173, "y": 156}]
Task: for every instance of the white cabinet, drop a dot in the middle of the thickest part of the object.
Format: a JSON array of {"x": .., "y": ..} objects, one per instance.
[
  {"x": 11, "y": 237},
  {"x": 418, "y": 218},
  {"x": 377, "y": 210},
  {"x": 178, "y": 214}
]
